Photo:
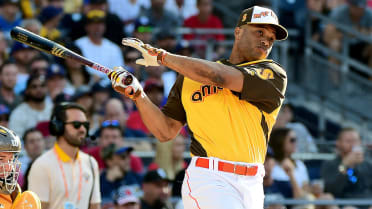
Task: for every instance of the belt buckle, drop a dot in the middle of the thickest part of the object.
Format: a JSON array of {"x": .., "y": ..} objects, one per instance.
[{"x": 242, "y": 165}]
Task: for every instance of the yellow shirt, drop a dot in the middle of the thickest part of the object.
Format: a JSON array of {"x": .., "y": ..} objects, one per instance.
[{"x": 226, "y": 124}]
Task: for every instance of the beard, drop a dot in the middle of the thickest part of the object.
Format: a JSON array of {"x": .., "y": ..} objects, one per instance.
[
  {"x": 37, "y": 99},
  {"x": 74, "y": 140}
]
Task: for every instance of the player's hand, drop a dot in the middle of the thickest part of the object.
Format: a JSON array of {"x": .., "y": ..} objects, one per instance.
[
  {"x": 125, "y": 83},
  {"x": 150, "y": 54}
]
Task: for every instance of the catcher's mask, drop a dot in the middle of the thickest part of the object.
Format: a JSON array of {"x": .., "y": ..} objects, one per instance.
[{"x": 10, "y": 146}]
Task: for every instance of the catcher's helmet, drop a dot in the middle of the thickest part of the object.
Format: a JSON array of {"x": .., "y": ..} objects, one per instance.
[{"x": 9, "y": 166}]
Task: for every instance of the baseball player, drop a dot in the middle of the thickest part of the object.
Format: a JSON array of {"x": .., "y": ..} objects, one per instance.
[
  {"x": 11, "y": 196},
  {"x": 230, "y": 107}
]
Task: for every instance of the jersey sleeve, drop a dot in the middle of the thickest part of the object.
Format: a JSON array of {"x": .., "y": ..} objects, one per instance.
[
  {"x": 264, "y": 85},
  {"x": 174, "y": 108}
]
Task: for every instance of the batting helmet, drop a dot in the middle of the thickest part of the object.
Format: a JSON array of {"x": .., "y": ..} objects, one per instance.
[{"x": 9, "y": 166}]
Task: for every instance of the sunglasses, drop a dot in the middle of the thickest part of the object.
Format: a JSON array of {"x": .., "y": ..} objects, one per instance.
[
  {"x": 113, "y": 123},
  {"x": 78, "y": 124},
  {"x": 293, "y": 140}
]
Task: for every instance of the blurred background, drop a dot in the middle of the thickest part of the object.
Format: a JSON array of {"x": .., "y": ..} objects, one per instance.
[{"x": 325, "y": 118}]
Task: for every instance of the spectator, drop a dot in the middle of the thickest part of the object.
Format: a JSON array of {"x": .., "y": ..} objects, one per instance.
[
  {"x": 160, "y": 17},
  {"x": 35, "y": 105},
  {"x": 182, "y": 8},
  {"x": 3, "y": 49},
  {"x": 33, "y": 25},
  {"x": 76, "y": 73},
  {"x": 355, "y": 14},
  {"x": 56, "y": 81},
  {"x": 204, "y": 19},
  {"x": 155, "y": 91},
  {"x": 156, "y": 190},
  {"x": 290, "y": 176},
  {"x": 118, "y": 174},
  {"x": 169, "y": 157},
  {"x": 271, "y": 192},
  {"x": 125, "y": 199},
  {"x": 39, "y": 66},
  {"x": 4, "y": 115},
  {"x": 101, "y": 94},
  {"x": 95, "y": 47},
  {"x": 73, "y": 23},
  {"x": 22, "y": 55},
  {"x": 50, "y": 17},
  {"x": 53, "y": 175},
  {"x": 166, "y": 40},
  {"x": 130, "y": 57},
  {"x": 114, "y": 111},
  {"x": 143, "y": 29},
  {"x": 83, "y": 96},
  {"x": 9, "y": 16},
  {"x": 128, "y": 11},
  {"x": 110, "y": 132},
  {"x": 8, "y": 79},
  {"x": 347, "y": 176},
  {"x": 286, "y": 118},
  {"x": 34, "y": 144}
]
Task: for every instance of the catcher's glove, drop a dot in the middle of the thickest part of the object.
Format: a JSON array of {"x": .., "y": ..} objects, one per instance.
[
  {"x": 151, "y": 56},
  {"x": 125, "y": 83}
]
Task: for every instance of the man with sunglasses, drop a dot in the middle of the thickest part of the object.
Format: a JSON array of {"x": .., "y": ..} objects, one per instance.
[{"x": 64, "y": 176}]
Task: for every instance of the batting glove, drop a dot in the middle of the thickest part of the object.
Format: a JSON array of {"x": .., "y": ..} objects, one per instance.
[
  {"x": 151, "y": 56},
  {"x": 125, "y": 83}
]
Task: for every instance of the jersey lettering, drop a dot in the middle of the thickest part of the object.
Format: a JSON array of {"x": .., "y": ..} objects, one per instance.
[{"x": 205, "y": 90}]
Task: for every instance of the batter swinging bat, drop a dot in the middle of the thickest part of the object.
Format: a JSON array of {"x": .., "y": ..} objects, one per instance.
[{"x": 24, "y": 36}]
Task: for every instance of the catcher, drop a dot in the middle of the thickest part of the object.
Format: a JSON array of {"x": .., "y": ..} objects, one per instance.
[
  {"x": 11, "y": 196},
  {"x": 230, "y": 107}
]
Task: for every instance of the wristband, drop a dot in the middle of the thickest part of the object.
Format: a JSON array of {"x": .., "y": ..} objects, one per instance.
[{"x": 161, "y": 56}]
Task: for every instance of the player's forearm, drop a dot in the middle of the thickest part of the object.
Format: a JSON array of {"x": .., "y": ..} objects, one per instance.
[
  {"x": 205, "y": 72},
  {"x": 156, "y": 121}
]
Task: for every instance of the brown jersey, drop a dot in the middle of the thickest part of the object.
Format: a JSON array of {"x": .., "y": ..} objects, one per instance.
[{"x": 230, "y": 125}]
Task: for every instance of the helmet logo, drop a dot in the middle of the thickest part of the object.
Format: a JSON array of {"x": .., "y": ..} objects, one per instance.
[
  {"x": 15, "y": 143},
  {"x": 244, "y": 17}
]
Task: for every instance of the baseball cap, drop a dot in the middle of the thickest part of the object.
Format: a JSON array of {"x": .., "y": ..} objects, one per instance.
[
  {"x": 125, "y": 198},
  {"x": 94, "y": 16},
  {"x": 155, "y": 175},
  {"x": 55, "y": 70},
  {"x": 80, "y": 92},
  {"x": 262, "y": 15},
  {"x": 143, "y": 25},
  {"x": 17, "y": 46},
  {"x": 112, "y": 149},
  {"x": 49, "y": 13}
]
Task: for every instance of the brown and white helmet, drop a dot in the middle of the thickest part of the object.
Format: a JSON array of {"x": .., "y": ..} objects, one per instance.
[{"x": 9, "y": 170}]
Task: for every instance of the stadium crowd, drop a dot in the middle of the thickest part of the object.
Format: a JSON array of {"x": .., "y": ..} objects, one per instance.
[{"x": 32, "y": 83}]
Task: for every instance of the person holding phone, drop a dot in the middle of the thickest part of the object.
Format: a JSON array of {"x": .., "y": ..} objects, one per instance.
[{"x": 352, "y": 176}]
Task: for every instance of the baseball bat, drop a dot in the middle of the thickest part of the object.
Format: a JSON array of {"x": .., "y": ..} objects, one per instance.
[{"x": 31, "y": 39}]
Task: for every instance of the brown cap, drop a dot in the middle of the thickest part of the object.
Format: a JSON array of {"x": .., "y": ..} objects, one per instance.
[{"x": 262, "y": 15}]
